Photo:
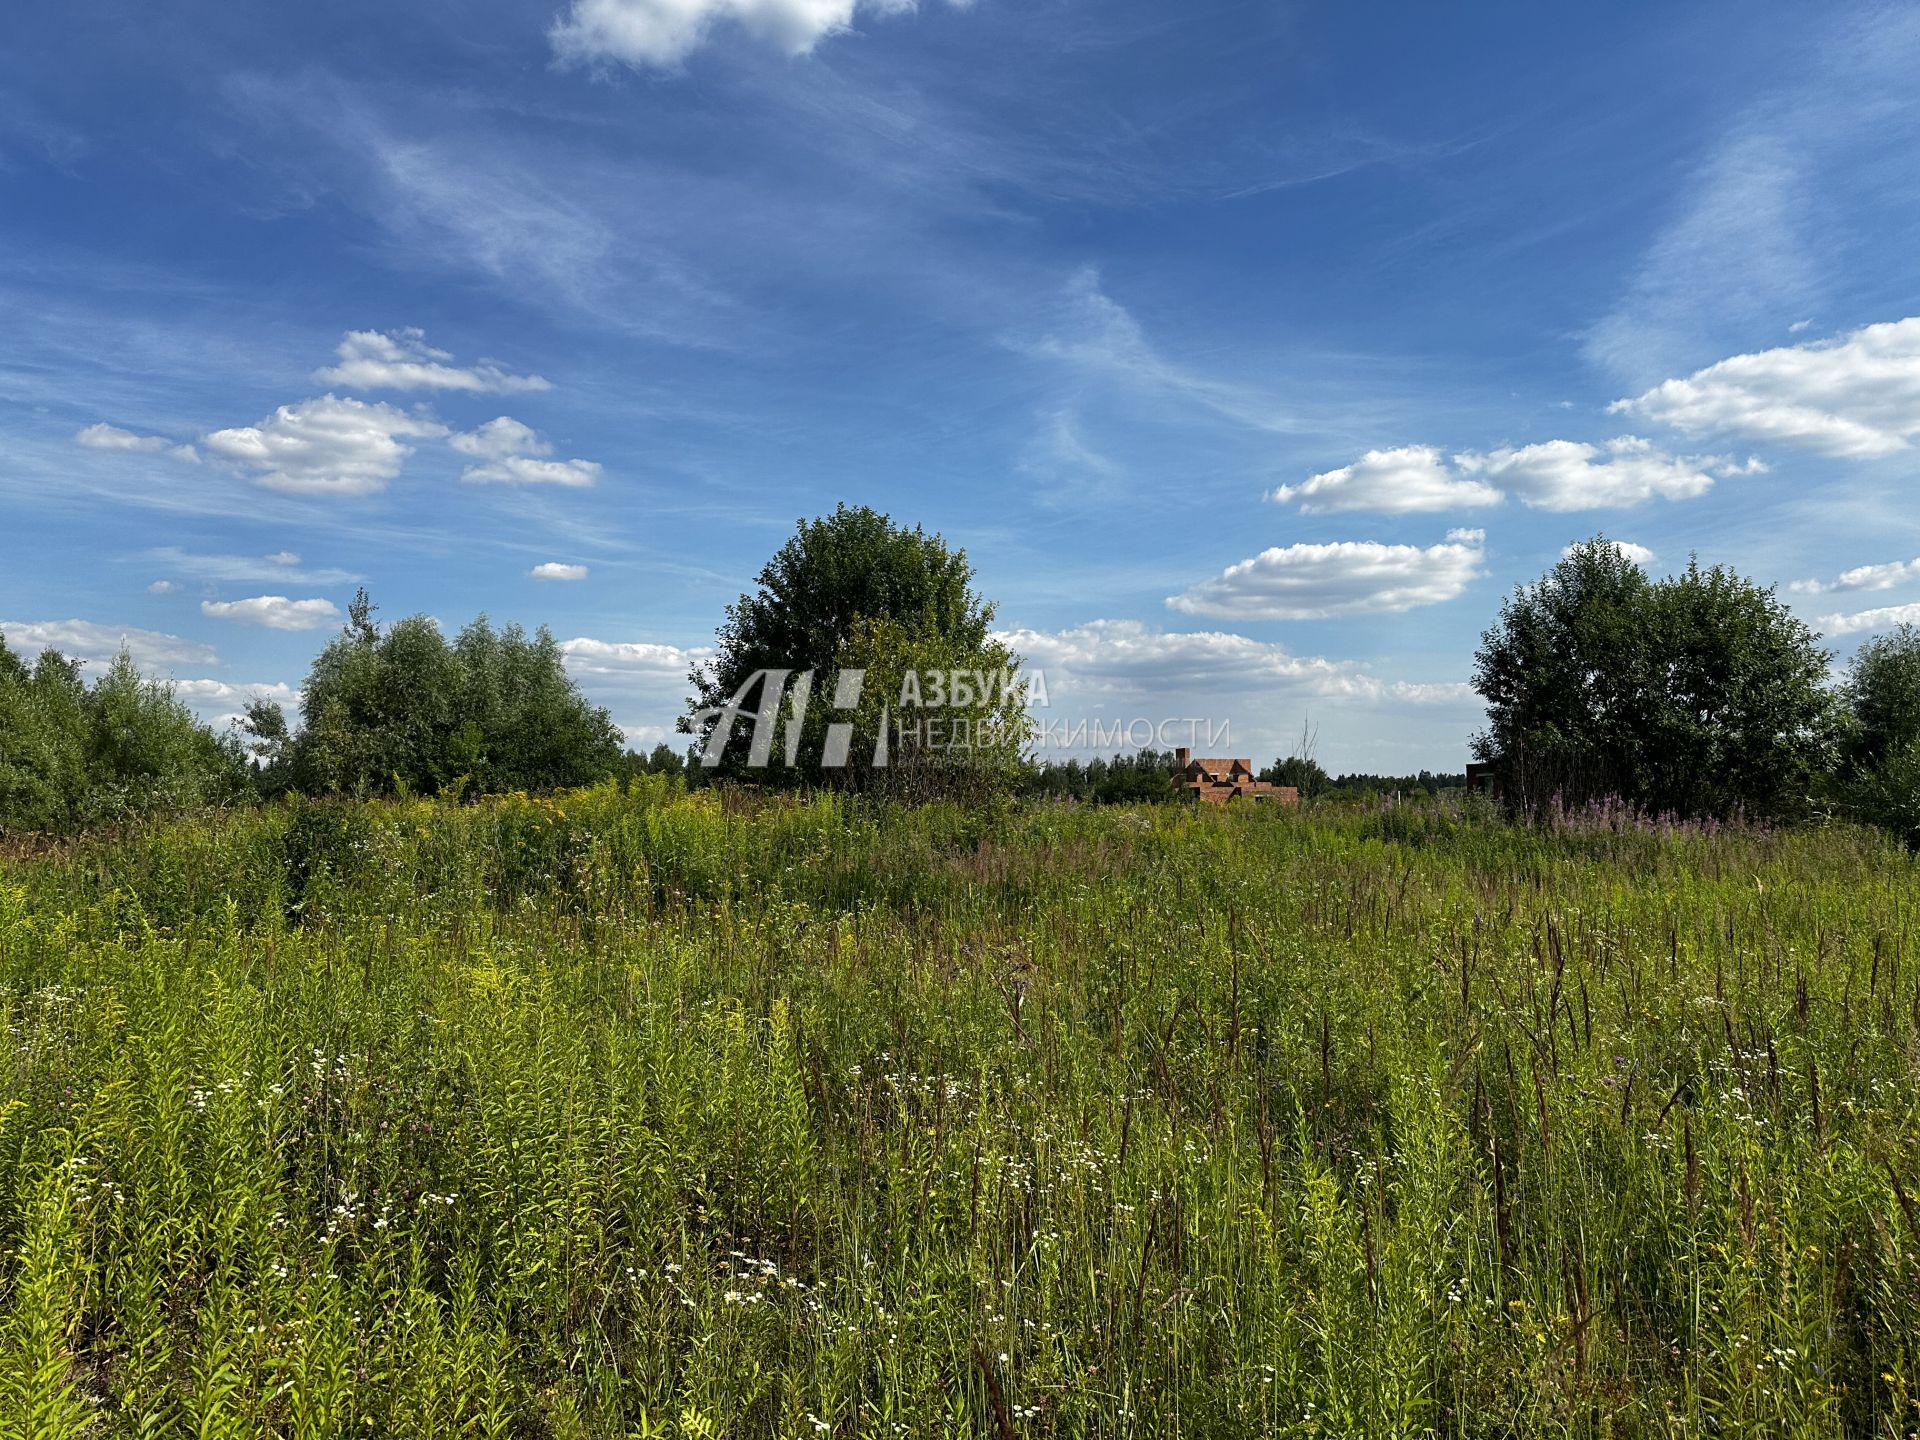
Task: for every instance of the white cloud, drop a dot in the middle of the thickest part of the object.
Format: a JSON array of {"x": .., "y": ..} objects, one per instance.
[
  {"x": 283, "y": 567},
  {"x": 641, "y": 679},
  {"x": 1885, "y": 618},
  {"x": 275, "y": 612},
  {"x": 84, "y": 640},
  {"x": 630, "y": 659},
  {"x": 513, "y": 454},
  {"x": 1094, "y": 333},
  {"x": 1572, "y": 475},
  {"x": 642, "y": 737},
  {"x": 1553, "y": 475},
  {"x": 554, "y": 570},
  {"x": 328, "y": 446},
  {"x": 1059, "y": 452},
  {"x": 1348, "y": 577},
  {"x": 1638, "y": 554},
  {"x": 1858, "y": 396},
  {"x": 1125, "y": 657},
  {"x": 1862, "y": 577},
  {"x": 660, "y": 33},
  {"x": 162, "y": 587},
  {"x": 1400, "y": 481},
  {"x": 374, "y": 360},
  {"x": 1730, "y": 260},
  {"x": 111, "y": 437},
  {"x": 219, "y": 702},
  {"x": 102, "y": 436}
]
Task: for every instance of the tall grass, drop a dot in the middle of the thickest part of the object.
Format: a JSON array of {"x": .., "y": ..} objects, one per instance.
[{"x": 645, "y": 1114}]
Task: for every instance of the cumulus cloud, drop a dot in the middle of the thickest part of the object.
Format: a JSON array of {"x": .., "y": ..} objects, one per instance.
[
  {"x": 555, "y": 570},
  {"x": 219, "y": 702},
  {"x": 275, "y": 612},
  {"x": 1638, "y": 554},
  {"x": 85, "y": 640},
  {"x": 656, "y": 33},
  {"x": 1860, "y": 621},
  {"x": 375, "y": 360},
  {"x": 1571, "y": 475},
  {"x": 1862, "y": 577},
  {"x": 1127, "y": 657},
  {"x": 111, "y": 437},
  {"x": 513, "y": 454},
  {"x": 629, "y": 659},
  {"x": 1553, "y": 475},
  {"x": 1858, "y": 396},
  {"x": 162, "y": 587},
  {"x": 102, "y": 436},
  {"x": 1348, "y": 577},
  {"x": 1405, "y": 480},
  {"x": 328, "y": 446},
  {"x": 640, "y": 679}
]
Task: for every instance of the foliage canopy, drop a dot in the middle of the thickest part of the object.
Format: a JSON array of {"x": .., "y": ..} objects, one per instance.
[
  {"x": 1700, "y": 694},
  {"x": 405, "y": 710},
  {"x": 855, "y": 591}
]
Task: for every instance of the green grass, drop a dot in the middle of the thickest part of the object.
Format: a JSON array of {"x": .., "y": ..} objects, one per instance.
[{"x": 662, "y": 1115}]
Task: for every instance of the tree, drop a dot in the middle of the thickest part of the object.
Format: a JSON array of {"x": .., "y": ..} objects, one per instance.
[
  {"x": 73, "y": 754},
  {"x": 403, "y": 710},
  {"x": 1880, "y": 777},
  {"x": 1700, "y": 694},
  {"x": 854, "y": 592},
  {"x": 1300, "y": 769}
]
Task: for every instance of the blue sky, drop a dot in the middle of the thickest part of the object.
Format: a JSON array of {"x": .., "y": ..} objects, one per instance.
[{"x": 1252, "y": 350}]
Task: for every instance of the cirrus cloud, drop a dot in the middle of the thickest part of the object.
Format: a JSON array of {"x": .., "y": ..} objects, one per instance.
[{"x": 1348, "y": 577}]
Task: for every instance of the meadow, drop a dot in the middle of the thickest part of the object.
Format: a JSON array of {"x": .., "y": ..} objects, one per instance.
[{"x": 639, "y": 1113}]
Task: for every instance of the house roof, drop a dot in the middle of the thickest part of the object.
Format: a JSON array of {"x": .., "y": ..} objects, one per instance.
[{"x": 1220, "y": 765}]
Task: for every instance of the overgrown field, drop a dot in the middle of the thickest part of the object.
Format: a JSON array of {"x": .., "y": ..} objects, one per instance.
[{"x": 664, "y": 1115}]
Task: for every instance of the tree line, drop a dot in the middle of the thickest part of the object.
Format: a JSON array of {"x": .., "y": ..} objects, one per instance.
[{"x": 1699, "y": 694}]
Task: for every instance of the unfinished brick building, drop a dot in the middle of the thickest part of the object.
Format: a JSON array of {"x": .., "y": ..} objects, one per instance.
[{"x": 1215, "y": 782}]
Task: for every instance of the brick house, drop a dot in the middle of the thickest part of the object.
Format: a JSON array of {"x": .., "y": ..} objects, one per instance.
[{"x": 1215, "y": 782}]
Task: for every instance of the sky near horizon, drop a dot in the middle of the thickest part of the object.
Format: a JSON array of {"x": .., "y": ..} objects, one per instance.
[{"x": 1253, "y": 351}]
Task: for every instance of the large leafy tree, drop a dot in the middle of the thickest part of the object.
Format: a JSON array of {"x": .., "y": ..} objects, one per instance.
[
  {"x": 1700, "y": 694},
  {"x": 1880, "y": 778},
  {"x": 403, "y": 709},
  {"x": 855, "y": 591}
]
